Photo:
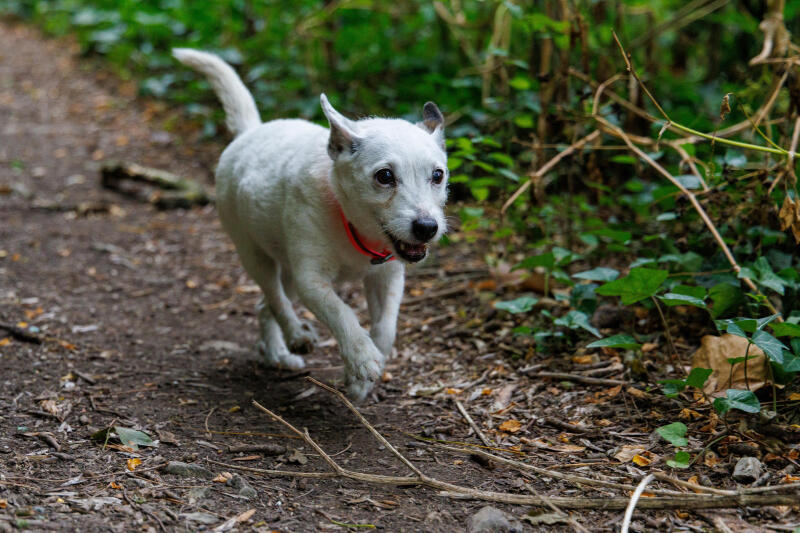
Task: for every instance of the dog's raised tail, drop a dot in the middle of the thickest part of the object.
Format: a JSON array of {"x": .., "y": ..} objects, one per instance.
[{"x": 240, "y": 108}]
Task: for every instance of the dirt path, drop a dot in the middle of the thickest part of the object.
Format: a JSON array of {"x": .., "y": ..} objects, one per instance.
[{"x": 149, "y": 323}]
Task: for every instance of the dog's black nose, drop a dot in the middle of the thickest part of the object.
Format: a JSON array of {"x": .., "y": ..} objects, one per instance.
[{"x": 424, "y": 228}]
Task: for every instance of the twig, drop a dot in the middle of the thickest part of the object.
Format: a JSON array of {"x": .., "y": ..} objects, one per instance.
[
  {"x": 578, "y": 378},
  {"x": 544, "y": 169},
  {"x": 208, "y": 431},
  {"x": 451, "y": 291},
  {"x": 688, "y": 501},
  {"x": 143, "y": 510},
  {"x": 21, "y": 334},
  {"x": 472, "y": 424},
  {"x": 693, "y": 486},
  {"x": 286, "y": 473},
  {"x": 626, "y": 522}
]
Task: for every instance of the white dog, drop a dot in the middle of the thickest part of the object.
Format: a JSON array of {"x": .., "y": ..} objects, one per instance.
[{"x": 307, "y": 207}]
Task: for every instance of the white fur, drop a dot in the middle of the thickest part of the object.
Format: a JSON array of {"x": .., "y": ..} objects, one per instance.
[{"x": 279, "y": 185}]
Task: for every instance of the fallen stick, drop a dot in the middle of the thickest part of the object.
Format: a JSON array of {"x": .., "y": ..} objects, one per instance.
[
  {"x": 450, "y": 490},
  {"x": 473, "y": 425},
  {"x": 626, "y": 521},
  {"x": 21, "y": 334},
  {"x": 175, "y": 191},
  {"x": 578, "y": 377}
]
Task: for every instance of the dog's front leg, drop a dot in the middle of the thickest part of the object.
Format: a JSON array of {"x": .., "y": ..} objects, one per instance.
[
  {"x": 384, "y": 290},
  {"x": 363, "y": 361}
]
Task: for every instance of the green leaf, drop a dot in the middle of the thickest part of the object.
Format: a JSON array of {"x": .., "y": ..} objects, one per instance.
[
  {"x": 598, "y": 274},
  {"x": 743, "y": 400},
  {"x": 674, "y": 433},
  {"x": 726, "y": 297},
  {"x": 639, "y": 284},
  {"x": 576, "y": 319},
  {"x": 546, "y": 260},
  {"x": 673, "y": 299},
  {"x": 784, "y": 329},
  {"x": 671, "y": 387},
  {"x": 133, "y": 438},
  {"x": 698, "y": 376},
  {"x": 771, "y": 346},
  {"x": 621, "y": 340},
  {"x": 523, "y": 304},
  {"x": 761, "y": 322},
  {"x": 681, "y": 460}
]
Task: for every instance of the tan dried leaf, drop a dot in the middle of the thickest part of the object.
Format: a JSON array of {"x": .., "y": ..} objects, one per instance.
[
  {"x": 627, "y": 452},
  {"x": 510, "y": 426},
  {"x": 789, "y": 216},
  {"x": 714, "y": 353}
]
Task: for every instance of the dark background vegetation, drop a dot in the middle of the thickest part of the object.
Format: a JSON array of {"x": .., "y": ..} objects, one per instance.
[{"x": 517, "y": 82}]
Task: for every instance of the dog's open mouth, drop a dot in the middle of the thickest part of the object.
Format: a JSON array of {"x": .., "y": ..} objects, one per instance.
[{"x": 407, "y": 251}]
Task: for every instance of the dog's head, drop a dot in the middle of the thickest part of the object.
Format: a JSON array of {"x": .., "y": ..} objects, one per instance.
[{"x": 391, "y": 177}]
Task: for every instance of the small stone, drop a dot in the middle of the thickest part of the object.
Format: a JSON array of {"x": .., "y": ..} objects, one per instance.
[
  {"x": 747, "y": 470},
  {"x": 493, "y": 520},
  {"x": 188, "y": 470},
  {"x": 197, "y": 493},
  {"x": 244, "y": 488}
]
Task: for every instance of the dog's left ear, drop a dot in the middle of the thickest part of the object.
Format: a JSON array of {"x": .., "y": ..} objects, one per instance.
[
  {"x": 433, "y": 122},
  {"x": 343, "y": 137}
]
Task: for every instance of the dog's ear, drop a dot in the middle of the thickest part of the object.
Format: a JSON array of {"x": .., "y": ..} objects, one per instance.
[
  {"x": 343, "y": 137},
  {"x": 433, "y": 122}
]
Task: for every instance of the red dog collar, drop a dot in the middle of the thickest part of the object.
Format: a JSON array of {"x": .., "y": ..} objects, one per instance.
[{"x": 377, "y": 258}]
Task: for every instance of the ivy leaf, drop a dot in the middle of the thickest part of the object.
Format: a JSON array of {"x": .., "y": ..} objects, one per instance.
[
  {"x": 743, "y": 400},
  {"x": 672, "y": 299},
  {"x": 681, "y": 460},
  {"x": 523, "y": 304},
  {"x": 674, "y": 433},
  {"x": 598, "y": 274},
  {"x": 726, "y": 297},
  {"x": 621, "y": 340},
  {"x": 698, "y": 376},
  {"x": 671, "y": 387},
  {"x": 771, "y": 346},
  {"x": 577, "y": 319},
  {"x": 639, "y": 284},
  {"x": 785, "y": 329},
  {"x": 761, "y": 322},
  {"x": 133, "y": 438}
]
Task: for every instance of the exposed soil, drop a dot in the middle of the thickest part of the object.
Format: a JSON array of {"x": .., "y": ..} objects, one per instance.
[{"x": 148, "y": 323}]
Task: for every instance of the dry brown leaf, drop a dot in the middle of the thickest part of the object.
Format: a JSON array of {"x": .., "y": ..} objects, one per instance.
[
  {"x": 223, "y": 477},
  {"x": 640, "y": 460},
  {"x": 5, "y": 341},
  {"x": 794, "y": 396},
  {"x": 132, "y": 463},
  {"x": 714, "y": 353},
  {"x": 689, "y": 414},
  {"x": 583, "y": 359},
  {"x": 694, "y": 479},
  {"x": 510, "y": 426},
  {"x": 628, "y": 451},
  {"x": 710, "y": 459},
  {"x": 789, "y": 216},
  {"x": 245, "y": 516},
  {"x": 3, "y": 503}
]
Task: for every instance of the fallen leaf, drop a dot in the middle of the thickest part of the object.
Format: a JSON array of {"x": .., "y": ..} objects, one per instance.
[
  {"x": 510, "y": 426},
  {"x": 627, "y": 452},
  {"x": 688, "y": 414},
  {"x": 5, "y": 341},
  {"x": 790, "y": 479},
  {"x": 789, "y": 216},
  {"x": 640, "y": 460},
  {"x": 451, "y": 390},
  {"x": 710, "y": 459},
  {"x": 794, "y": 396},
  {"x": 22, "y": 325},
  {"x": 3, "y": 503},
  {"x": 234, "y": 409},
  {"x": 583, "y": 359},
  {"x": 222, "y": 478},
  {"x": 714, "y": 353},
  {"x": 245, "y": 516},
  {"x": 649, "y": 347},
  {"x": 694, "y": 479},
  {"x": 132, "y": 463},
  {"x": 297, "y": 457},
  {"x": 115, "y": 485}
]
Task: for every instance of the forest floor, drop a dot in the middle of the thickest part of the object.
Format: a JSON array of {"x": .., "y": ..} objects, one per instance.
[{"x": 147, "y": 321}]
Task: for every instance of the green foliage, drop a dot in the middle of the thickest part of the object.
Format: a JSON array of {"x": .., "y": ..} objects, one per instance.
[
  {"x": 674, "y": 433},
  {"x": 639, "y": 284},
  {"x": 522, "y": 304},
  {"x": 621, "y": 340},
  {"x": 743, "y": 400}
]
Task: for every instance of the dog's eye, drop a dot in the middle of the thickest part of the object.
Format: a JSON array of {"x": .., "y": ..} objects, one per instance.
[
  {"x": 438, "y": 176},
  {"x": 385, "y": 177}
]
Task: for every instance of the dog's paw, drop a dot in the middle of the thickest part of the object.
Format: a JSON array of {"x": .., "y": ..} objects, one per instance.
[
  {"x": 357, "y": 389},
  {"x": 302, "y": 338},
  {"x": 280, "y": 358},
  {"x": 363, "y": 367}
]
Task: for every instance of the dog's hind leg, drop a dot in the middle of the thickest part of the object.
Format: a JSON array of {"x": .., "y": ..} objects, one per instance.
[
  {"x": 271, "y": 345},
  {"x": 275, "y": 312}
]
